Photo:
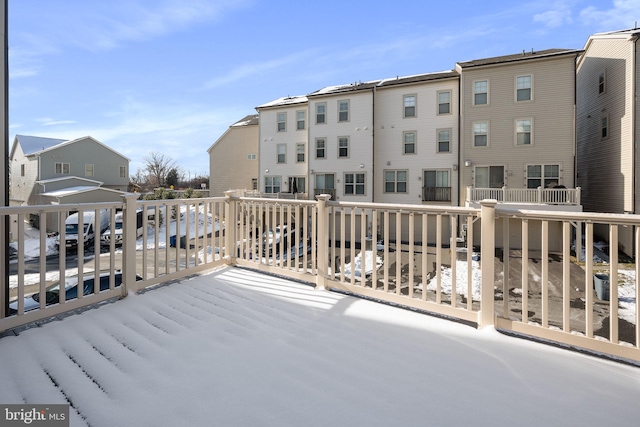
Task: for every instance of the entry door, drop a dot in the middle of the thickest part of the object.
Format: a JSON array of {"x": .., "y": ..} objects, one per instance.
[{"x": 489, "y": 177}]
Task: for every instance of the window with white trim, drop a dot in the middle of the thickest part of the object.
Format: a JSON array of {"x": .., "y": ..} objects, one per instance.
[
  {"x": 343, "y": 146},
  {"x": 272, "y": 184},
  {"x": 62, "y": 168},
  {"x": 354, "y": 183},
  {"x": 604, "y": 127},
  {"x": 301, "y": 120},
  {"x": 300, "y": 151},
  {"x": 489, "y": 176},
  {"x": 436, "y": 186},
  {"x": 481, "y": 92},
  {"x": 395, "y": 181},
  {"x": 321, "y": 113},
  {"x": 523, "y": 132},
  {"x": 444, "y": 102},
  {"x": 545, "y": 176},
  {"x": 88, "y": 169},
  {"x": 282, "y": 153},
  {"x": 123, "y": 171},
  {"x": 523, "y": 88},
  {"x": 252, "y": 156},
  {"x": 409, "y": 105},
  {"x": 321, "y": 145},
  {"x": 444, "y": 140},
  {"x": 602, "y": 83},
  {"x": 343, "y": 111},
  {"x": 282, "y": 122},
  {"x": 409, "y": 142},
  {"x": 480, "y": 134}
]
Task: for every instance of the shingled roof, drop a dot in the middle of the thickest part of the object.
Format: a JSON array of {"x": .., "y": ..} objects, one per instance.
[{"x": 524, "y": 56}]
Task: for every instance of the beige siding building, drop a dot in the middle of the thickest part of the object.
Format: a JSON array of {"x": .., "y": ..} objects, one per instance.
[
  {"x": 517, "y": 120},
  {"x": 233, "y": 158},
  {"x": 608, "y": 78}
]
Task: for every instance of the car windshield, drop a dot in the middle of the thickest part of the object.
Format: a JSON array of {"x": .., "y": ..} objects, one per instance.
[
  {"x": 52, "y": 291},
  {"x": 118, "y": 226},
  {"x": 71, "y": 229}
]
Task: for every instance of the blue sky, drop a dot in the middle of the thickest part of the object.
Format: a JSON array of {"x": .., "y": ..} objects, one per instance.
[{"x": 170, "y": 76}]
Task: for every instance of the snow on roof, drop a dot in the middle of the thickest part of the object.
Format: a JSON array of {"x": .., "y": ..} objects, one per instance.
[
  {"x": 236, "y": 347},
  {"x": 63, "y": 192},
  {"x": 32, "y": 144},
  {"x": 287, "y": 100},
  {"x": 249, "y": 120}
]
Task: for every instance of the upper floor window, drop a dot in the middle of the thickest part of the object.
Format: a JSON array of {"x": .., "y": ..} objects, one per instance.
[
  {"x": 602, "y": 83},
  {"x": 321, "y": 113},
  {"x": 252, "y": 156},
  {"x": 300, "y": 120},
  {"x": 123, "y": 171},
  {"x": 62, "y": 168},
  {"x": 354, "y": 183},
  {"x": 321, "y": 152},
  {"x": 444, "y": 102},
  {"x": 409, "y": 143},
  {"x": 22, "y": 170},
  {"x": 282, "y": 122},
  {"x": 523, "y": 132},
  {"x": 300, "y": 150},
  {"x": 480, "y": 134},
  {"x": 395, "y": 181},
  {"x": 272, "y": 184},
  {"x": 343, "y": 111},
  {"x": 88, "y": 169},
  {"x": 523, "y": 88},
  {"x": 481, "y": 92},
  {"x": 444, "y": 140},
  {"x": 604, "y": 127},
  {"x": 410, "y": 106},
  {"x": 545, "y": 176},
  {"x": 282, "y": 153},
  {"x": 343, "y": 146}
]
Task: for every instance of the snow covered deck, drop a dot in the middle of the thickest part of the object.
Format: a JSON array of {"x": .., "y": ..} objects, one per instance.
[{"x": 236, "y": 347}]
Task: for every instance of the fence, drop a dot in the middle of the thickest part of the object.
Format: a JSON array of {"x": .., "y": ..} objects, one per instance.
[
  {"x": 416, "y": 256},
  {"x": 552, "y": 196}
]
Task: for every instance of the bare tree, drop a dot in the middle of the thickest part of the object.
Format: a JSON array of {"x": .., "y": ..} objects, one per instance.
[{"x": 158, "y": 167}]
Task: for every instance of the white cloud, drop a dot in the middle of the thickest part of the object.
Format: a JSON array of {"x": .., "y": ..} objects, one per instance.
[
  {"x": 623, "y": 14},
  {"x": 554, "y": 18}
]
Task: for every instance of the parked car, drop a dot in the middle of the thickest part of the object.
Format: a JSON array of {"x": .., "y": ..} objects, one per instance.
[
  {"x": 52, "y": 293},
  {"x": 272, "y": 240}
]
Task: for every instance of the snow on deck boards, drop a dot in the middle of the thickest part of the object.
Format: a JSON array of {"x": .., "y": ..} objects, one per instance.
[{"x": 236, "y": 347}]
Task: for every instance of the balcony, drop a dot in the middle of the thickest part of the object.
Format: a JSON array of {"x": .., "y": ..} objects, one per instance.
[
  {"x": 534, "y": 196},
  {"x": 436, "y": 194}
]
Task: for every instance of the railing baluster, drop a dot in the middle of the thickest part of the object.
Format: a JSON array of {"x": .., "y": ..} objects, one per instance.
[{"x": 613, "y": 283}]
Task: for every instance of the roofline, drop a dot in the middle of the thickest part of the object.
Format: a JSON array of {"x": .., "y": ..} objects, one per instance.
[
  {"x": 514, "y": 58},
  {"x": 73, "y": 141}
]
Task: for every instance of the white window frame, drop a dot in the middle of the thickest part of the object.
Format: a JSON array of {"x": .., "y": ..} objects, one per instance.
[
  {"x": 344, "y": 114},
  {"x": 342, "y": 139},
  {"x": 439, "y": 140},
  {"x": 301, "y": 120},
  {"x": 475, "y": 93},
  {"x": 605, "y": 127},
  {"x": 281, "y": 150},
  {"x": 522, "y": 85},
  {"x": 89, "y": 170},
  {"x": 439, "y": 183},
  {"x": 412, "y": 100},
  {"x": 351, "y": 187},
  {"x": 270, "y": 184},
  {"x": 323, "y": 114},
  {"x": 441, "y": 103},
  {"x": 543, "y": 174},
  {"x": 281, "y": 119},
  {"x": 520, "y": 129},
  {"x": 22, "y": 169},
  {"x": 414, "y": 143},
  {"x": 300, "y": 151},
  {"x": 398, "y": 178},
  {"x": 474, "y": 133},
  {"x": 252, "y": 156},
  {"x": 602, "y": 83},
  {"x": 323, "y": 148},
  {"x": 123, "y": 171},
  {"x": 61, "y": 168}
]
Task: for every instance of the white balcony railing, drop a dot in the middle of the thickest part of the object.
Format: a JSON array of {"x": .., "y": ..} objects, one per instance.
[{"x": 548, "y": 196}]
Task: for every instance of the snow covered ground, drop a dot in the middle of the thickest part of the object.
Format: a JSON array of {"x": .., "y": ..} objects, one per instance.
[{"x": 238, "y": 348}]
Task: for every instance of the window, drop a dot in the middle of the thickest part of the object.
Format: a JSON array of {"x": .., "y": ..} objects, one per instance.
[
  {"x": 297, "y": 184},
  {"x": 481, "y": 92},
  {"x": 88, "y": 169},
  {"x": 523, "y": 132},
  {"x": 523, "y": 88},
  {"x": 123, "y": 171},
  {"x": 444, "y": 102},
  {"x": 343, "y": 146},
  {"x": 354, "y": 183},
  {"x": 62, "y": 168},
  {"x": 254, "y": 183},
  {"x": 436, "y": 186},
  {"x": 282, "y": 153},
  {"x": 22, "y": 170},
  {"x": 545, "y": 176},
  {"x": 409, "y": 106},
  {"x": 321, "y": 113},
  {"x": 321, "y": 148},
  {"x": 300, "y": 120},
  {"x": 252, "y": 156},
  {"x": 444, "y": 140},
  {"x": 325, "y": 182},
  {"x": 409, "y": 143},
  {"x": 604, "y": 127},
  {"x": 395, "y": 181},
  {"x": 282, "y": 122},
  {"x": 300, "y": 150},
  {"x": 602, "y": 83},
  {"x": 343, "y": 111},
  {"x": 480, "y": 134},
  {"x": 489, "y": 176},
  {"x": 272, "y": 184}
]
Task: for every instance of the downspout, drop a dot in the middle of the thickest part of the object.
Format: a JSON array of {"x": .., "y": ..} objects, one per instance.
[
  {"x": 634, "y": 41},
  {"x": 373, "y": 144},
  {"x": 461, "y": 192}
]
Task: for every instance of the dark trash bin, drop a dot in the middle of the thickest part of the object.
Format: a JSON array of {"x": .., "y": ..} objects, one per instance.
[{"x": 601, "y": 283}]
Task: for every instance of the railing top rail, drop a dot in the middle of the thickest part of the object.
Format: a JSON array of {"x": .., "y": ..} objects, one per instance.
[
  {"x": 594, "y": 217},
  {"x": 190, "y": 200},
  {"x": 276, "y": 200},
  {"x": 14, "y": 210},
  {"x": 407, "y": 208}
]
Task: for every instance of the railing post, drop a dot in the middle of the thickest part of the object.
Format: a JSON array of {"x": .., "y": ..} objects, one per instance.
[
  {"x": 323, "y": 241},
  {"x": 469, "y": 195},
  {"x": 539, "y": 195},
  {"x": 487, "y": 255},
  {"x": 129, "y": 259},
  {"x": 578, "y": 189},
  {"x": 504, "y": 193},
  {"x": 230, "y": 227}
]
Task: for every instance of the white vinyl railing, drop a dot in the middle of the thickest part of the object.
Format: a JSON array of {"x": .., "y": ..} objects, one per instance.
[
  {"x": 490, "y": 266},
  {"x": 550, "y": 196}
]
